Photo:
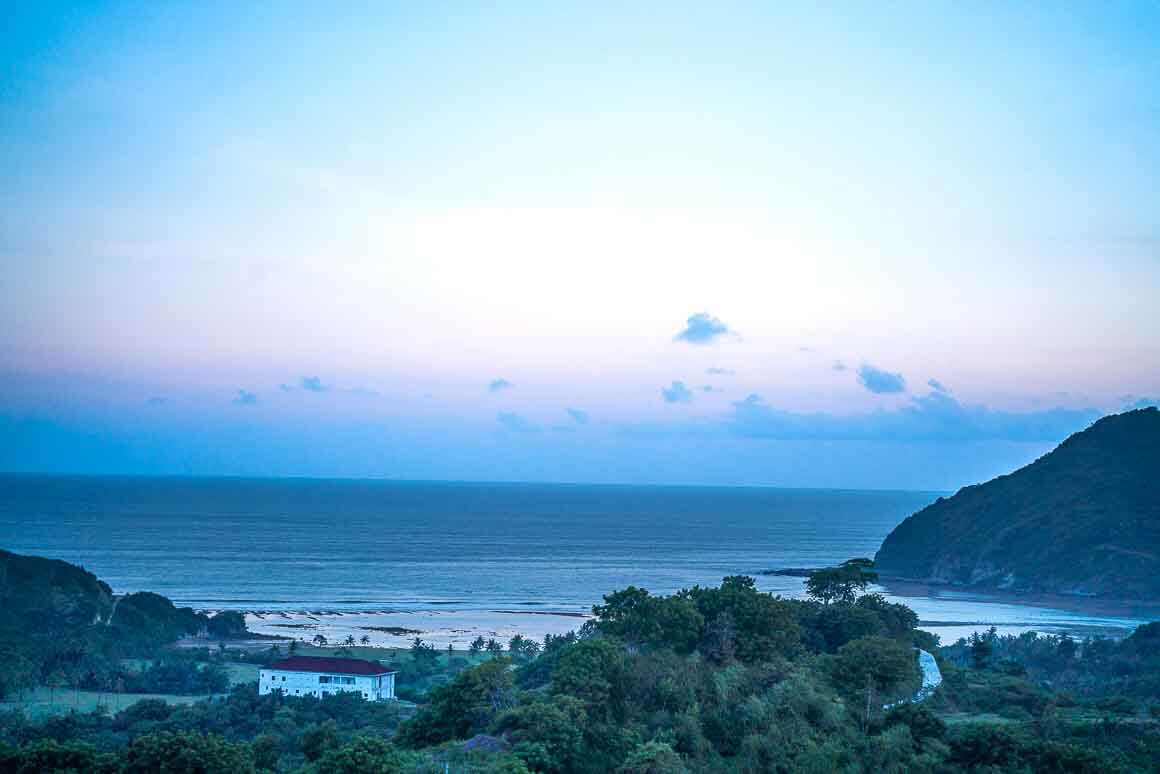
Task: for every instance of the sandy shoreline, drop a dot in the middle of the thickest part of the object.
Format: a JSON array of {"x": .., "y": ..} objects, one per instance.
[
  {"x": 1090, "y": 606},
  {"x": 398, "y": 628},
  {"x": 949, "y": 618},
  {"x": 948, "y": 612}
]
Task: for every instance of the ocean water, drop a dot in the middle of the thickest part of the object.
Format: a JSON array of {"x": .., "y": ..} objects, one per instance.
[{"x": 347, "y": 546}]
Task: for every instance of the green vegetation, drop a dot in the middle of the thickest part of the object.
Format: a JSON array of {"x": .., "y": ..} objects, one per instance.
[
  {"x": 1084, "y": 519},
  {"x": 62, "y": 628},
  {"x": 713, "y": 679}
]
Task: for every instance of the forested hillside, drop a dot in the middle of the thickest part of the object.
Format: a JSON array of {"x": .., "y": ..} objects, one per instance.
[
  {"x": 61, "y": 625},
  {"x": 1084, "y": 520}
]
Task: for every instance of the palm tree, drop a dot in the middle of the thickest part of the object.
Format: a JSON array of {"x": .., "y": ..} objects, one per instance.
[
  {"x": 320, "y": 640},
  {"x": 349, "y": 641},
  {"x": 365, "y": 640}
]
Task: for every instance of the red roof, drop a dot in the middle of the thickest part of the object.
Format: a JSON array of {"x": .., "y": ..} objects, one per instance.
[{"x": 342, "y": 666}]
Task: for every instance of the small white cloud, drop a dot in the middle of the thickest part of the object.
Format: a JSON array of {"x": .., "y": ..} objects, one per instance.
[
  {"x": 514, "y": 423},
  {"x": 701, "y": 328},
  {"x": 246, "y": 398},
  {"x": 880, "y": 382},
  {"x": 677, "y": 393}
]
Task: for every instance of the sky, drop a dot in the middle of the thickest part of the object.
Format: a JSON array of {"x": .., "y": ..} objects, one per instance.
[{"x": 904, "y": 245}]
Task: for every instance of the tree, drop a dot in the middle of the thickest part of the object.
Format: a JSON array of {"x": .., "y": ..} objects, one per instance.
[
  {"x": 17, "y": 673},
  {"x": 318, "y": 738},
  {"x": 883, "y": 662},
  {"x": 50, "y": 755},
  {"x": 841, "y": 622},
  {"x": 365, "y": 640},
  {"x": 638, "y": 618},
  {"x": 982, "y": 649},
  {"x": 494, "y": 647},
  {"x": 841, "y": 583},
  {"x": 653, "y": 758},
  {"x": 320, "y": 640},
  {"x": 764, "y": 626},
  {"x": 267, "y": 752},
  {"x": 349, "y": 641},
  {"x": 227, "y": 624},
  {"x": 720, "y": 642},
  {"x": 55, "y": 680},
  {"x": 477, "y": 645},
  {"x": 550, "y": 733},
  {"x": 423, "y": 656},
  {"x": 187, "y": 752},
  {"x": 593, "y": 671},
  {"x": 365, "y": 754},
  {"x": 463, "y": 707}
]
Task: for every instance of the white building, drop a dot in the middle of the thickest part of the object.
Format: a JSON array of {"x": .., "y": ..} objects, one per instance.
[{"x": 322, "y": 676}]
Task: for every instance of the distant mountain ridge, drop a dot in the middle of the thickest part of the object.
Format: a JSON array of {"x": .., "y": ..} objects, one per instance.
[{"x": 1081, "y": 520}]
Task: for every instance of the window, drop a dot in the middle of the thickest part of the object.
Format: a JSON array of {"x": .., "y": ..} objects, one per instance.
[{"x": 324, "y": 678}]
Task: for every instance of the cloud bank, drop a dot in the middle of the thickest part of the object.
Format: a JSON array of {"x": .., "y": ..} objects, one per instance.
[{"x": 933, "y": 417}]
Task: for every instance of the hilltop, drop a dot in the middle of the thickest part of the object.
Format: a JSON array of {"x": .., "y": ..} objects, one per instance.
[{"x": 1082, "y": 520}]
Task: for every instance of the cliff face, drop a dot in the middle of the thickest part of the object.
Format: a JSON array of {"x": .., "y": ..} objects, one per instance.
[{"x": 1084, "y": 519}]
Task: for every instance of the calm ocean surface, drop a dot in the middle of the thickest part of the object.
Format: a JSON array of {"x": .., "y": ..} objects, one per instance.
[
  {"x": 344, "y": 545},
  {"x": 311, "y": 544}
]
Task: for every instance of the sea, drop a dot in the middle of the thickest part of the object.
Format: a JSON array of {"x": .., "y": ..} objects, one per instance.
[{"x": 449, "y": 561}]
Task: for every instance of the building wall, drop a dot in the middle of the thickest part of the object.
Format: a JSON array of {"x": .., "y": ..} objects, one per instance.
[{"x": 294, "y": 683}]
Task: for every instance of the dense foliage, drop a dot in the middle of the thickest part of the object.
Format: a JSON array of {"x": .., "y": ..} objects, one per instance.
[
  {"x": 715, "y": 679},
  {"x": 1084, "y": 519},
  {"x": 1127, "y": 669},
  {"x": 61, "y": 626}
]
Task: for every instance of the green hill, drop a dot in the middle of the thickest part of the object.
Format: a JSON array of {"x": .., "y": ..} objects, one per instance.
[
  {"x": 1081, "y": 520},
  {"x": 47, "y": 595},
  {"x": 60, "y": 623}
]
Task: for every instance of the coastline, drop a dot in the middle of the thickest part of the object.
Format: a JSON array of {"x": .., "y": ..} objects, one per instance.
[
  {"x": 1090, "y": 606},
  {"x": 398, "y": 628},
  {"x": 949, "y": 612}
]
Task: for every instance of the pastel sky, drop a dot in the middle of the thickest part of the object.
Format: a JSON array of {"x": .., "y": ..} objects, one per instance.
[{"x": 910, "y": 245}]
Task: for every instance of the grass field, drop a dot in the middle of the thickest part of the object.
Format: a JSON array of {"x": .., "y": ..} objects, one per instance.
[{"x": 43, "y": 701}]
